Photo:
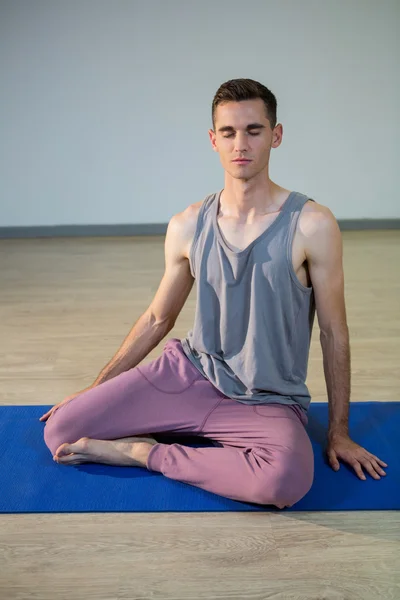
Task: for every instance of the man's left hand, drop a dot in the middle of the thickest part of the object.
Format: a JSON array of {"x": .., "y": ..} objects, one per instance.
[{"x": 341, "y": 446}]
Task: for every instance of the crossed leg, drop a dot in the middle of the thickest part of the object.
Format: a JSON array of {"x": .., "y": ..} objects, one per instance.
[{"x": 265, "y": 455}]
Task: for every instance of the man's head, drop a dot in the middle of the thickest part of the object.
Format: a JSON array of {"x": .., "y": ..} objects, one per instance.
[{"x": 244, "y": 126}]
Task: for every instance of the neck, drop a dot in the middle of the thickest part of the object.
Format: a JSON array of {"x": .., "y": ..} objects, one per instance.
[{"x": 251, "y": 198}]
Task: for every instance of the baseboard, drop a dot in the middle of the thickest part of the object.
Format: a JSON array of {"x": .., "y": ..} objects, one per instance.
[
  {"x": 84, "y": 230},
  {"x": 155, "y": 229},
  {"x": 362, "y": 224}
]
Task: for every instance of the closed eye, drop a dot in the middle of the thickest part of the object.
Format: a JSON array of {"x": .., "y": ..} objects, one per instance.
[{"x": 231, "y": 134}]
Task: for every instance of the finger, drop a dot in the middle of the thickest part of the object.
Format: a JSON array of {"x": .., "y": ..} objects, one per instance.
[
  {"x": 50, "y": 412},
  {"x": 369, "y": 467},
  {"x": 377, "y": 467},
  {"x": 333, "y": 460},
  {"x": 357, "y": 467},
  {"x": 379, "y": 460},
  {"x": 45, "y": 416}
]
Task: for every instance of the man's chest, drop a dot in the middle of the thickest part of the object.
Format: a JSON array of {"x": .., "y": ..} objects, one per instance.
[{"x": 240, "y": 236}]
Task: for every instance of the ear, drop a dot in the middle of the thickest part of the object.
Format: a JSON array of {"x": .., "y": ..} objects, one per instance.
[
  {"x": 277, "y": 135},
  {"x": 213, "y": 139}
]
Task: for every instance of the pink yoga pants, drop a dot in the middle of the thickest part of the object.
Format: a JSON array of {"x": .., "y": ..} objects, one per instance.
[{"x": 261, "y": 453}]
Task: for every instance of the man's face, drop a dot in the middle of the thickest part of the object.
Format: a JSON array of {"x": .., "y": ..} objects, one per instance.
[{"x": 242, "y": 130}]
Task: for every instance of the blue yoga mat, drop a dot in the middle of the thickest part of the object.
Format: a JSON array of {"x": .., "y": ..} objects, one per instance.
[{"x": 32, "y": 482}]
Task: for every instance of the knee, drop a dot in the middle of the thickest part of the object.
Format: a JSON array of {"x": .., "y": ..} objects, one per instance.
[
  {"x": 284, "y": 488},
  {"x": 58, "y": 430}
]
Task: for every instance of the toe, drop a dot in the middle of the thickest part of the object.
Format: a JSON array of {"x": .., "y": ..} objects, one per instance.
[
  {"x": 77, "y": 447},
  {"x": 63, "y": 450},
  {"x": 70, "y": 459}
]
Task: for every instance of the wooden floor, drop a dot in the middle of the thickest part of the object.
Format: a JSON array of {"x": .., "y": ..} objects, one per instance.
[{"x": 65, "y": 306}]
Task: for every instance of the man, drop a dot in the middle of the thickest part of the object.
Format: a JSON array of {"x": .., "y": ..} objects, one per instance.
[{"x": 264, "y": 258}]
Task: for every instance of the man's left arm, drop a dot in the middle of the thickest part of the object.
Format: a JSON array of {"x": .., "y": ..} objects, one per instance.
[{"x": 324, "y": 255}]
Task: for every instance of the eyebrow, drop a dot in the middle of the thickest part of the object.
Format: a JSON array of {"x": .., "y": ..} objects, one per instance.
[{"x": 250, "y": 126}]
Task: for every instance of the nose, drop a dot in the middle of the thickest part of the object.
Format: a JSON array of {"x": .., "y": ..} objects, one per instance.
[{"x": 241, "y": 143}]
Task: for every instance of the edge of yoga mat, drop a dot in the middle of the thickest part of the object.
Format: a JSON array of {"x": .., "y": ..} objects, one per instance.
[{"x": 33, "y": 483}]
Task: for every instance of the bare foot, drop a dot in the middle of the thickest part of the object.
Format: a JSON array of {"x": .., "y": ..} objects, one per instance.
[{"x": 127, "y": 452}]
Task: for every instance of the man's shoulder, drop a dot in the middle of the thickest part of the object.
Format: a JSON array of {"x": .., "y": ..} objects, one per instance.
[
  {"x": 186, "y": 220},
  {"x": 315, "y": 217},
  {"x": 182, "y": 226}
]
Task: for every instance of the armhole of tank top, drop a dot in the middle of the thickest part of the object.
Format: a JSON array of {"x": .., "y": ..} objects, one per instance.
[
  {"x": 192, "y": 265},
  {"x": 289, "y": 248}
]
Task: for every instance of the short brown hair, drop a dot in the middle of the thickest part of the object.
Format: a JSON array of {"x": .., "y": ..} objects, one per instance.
[{"x": 236, "y": 90}]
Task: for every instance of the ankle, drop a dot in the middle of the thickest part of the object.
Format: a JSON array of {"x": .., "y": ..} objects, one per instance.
[{"x": 141, "y": 451}]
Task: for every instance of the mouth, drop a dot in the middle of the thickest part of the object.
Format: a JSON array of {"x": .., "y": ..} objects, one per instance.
[{"x": 241, "y": 161}]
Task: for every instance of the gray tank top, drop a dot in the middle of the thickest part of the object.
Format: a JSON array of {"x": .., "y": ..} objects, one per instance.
[{"x": 254, "y": 319}]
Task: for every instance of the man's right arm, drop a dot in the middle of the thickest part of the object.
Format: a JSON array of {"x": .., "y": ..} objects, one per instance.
[{"x": 159, "y": 318}]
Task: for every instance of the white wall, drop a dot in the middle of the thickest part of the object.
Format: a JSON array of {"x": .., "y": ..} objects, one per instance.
[{"x": 105, "y": 105}]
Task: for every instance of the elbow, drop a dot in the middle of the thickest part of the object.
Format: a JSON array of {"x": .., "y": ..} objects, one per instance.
[
  {"x": 161, "y": 325},
  {"x": 334, "y": 331}
]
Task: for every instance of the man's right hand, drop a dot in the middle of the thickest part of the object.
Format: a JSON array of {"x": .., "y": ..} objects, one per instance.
[{"x": 54, "y": 408}]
